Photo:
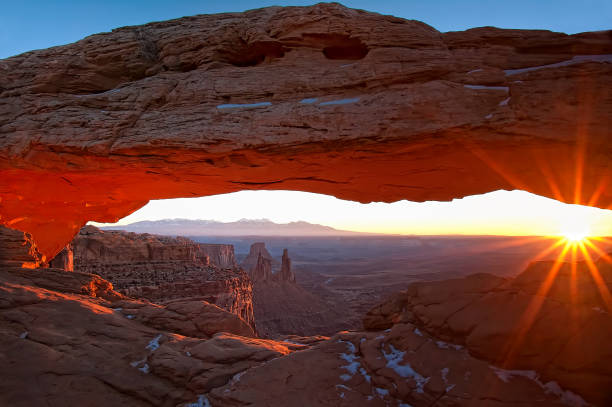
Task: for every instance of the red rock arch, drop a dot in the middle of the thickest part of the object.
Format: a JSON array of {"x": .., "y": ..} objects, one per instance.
[{"x": 396, "y": 110}]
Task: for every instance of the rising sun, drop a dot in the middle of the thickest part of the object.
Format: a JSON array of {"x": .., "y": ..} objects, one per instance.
[{"x": 575, "y": 233}]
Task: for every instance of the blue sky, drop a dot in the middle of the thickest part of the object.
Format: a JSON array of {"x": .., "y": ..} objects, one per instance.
[{"x": 34, "y": 24}]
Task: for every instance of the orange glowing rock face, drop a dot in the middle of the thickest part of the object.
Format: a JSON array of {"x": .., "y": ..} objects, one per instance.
[
  {"x": 18, "y": 249},
  {"x": 395, "y": 110}
]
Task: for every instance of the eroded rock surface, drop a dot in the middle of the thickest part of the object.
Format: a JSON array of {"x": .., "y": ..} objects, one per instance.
[
  {"x": 283, "y": 307},
  {"x": 285, "y": 274},
  {"x": 69, "y": 339},
  {"x": 399, "y": 367},
  {"x": 251, "y": 261},
  {"x": 165, "y": 269},
  {"x": 219, "y": 255},
  {"x": 18, "y": 249},
  {"x": 552, "y": 318},
  {"x": 322, "y": 98},
  {"x": 259, "y": 263},
  {"x": 64, "y": 259}
]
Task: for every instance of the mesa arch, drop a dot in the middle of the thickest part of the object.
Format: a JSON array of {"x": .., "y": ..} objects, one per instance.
[{"x": 323, "y": 98}]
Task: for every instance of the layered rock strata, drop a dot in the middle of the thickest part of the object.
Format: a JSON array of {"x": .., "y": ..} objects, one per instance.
[
  {"x": 285, "y": 274},
  {"x": 323, "y": 99},
  {"x": 163, "y": 269},
  {"x": 64, "y": 259},
  {"x": 259, "y": 264},
  {"x": 285, "y": 308},
  {"x": 219, "y": 255},
  {"x": 18, "y": 249},
  {"x": 257, "y": 250},
  {"x": 281, "y": 306},
  {"x": 262, "y": 272}
]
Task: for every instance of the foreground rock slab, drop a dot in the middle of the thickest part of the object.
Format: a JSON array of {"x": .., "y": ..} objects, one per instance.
[
  {"x": 554, "y": 319},
  {"x": 68, "y": 339},
  {"x": 322, "y": 98},
  {"x": 399, "y": 367}
]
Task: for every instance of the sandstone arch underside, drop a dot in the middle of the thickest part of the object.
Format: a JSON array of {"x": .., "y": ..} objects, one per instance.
[{"x": 323, "y": 99}]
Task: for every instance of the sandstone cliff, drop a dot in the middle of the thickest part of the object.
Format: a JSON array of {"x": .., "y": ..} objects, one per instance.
[
  {"x": 163, "y": 269},
  {"x": 337, "y": 101},
  {"x": 282, "y": 306},
  {"x": 219, "y": 255},
  {"x": 262, "y": 272},
  {"x": 17, "y": 249},
  {"x": 259, "y": 264},
  {"x": 285, "y": 274},
  {"x": 64, "y": 259},
  {"x": 539, "y": 339},
  {"x": 256, "y": 250}
]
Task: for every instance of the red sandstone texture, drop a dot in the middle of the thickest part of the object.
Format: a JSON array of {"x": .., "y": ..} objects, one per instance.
[
  {"x": 64, "y": 259},
  {"x": 164, "y": 269},
  {"x": 17, "y": 249},
  {"x": 564, "y": 333},
  {"x": 401, "y": 367},
  {"x": 322, "y": 98},
  {"x": 68, "y": 339},
  {"x": 258, "y": 263}
]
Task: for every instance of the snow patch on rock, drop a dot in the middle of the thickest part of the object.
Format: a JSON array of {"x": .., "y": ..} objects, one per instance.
[
  {"x": 393, "y": 361},
  {"x": 340, "y": 102},
  {"x": 308, "y": 101},
  {"x": 565, "y": 396},
  {"x": 201, "y": 402},
  {"x": 483, "y": 87},
  {"x": 578, "y": 59},
  {"x": 243, "y": 105},
  {"x": 154, "y": 343},
  {"x": 446, "y": 345}
]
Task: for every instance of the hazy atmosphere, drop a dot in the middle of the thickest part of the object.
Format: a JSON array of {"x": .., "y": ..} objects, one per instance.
[{"x": 496, "y": 213}]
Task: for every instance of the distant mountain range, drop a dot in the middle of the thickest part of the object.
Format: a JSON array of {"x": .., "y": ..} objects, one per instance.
[{"x": 243, "y": 227}]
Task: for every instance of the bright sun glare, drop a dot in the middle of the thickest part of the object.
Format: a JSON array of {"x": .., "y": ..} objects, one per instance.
[
  {"x": 576, "y": 232},
  {"x": 575, "y": 235}
]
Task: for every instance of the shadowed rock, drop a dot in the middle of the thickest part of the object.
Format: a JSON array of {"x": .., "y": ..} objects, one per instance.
[
  {"x": 557, "y": 323},
  {"x": 285, "y": 274}
]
